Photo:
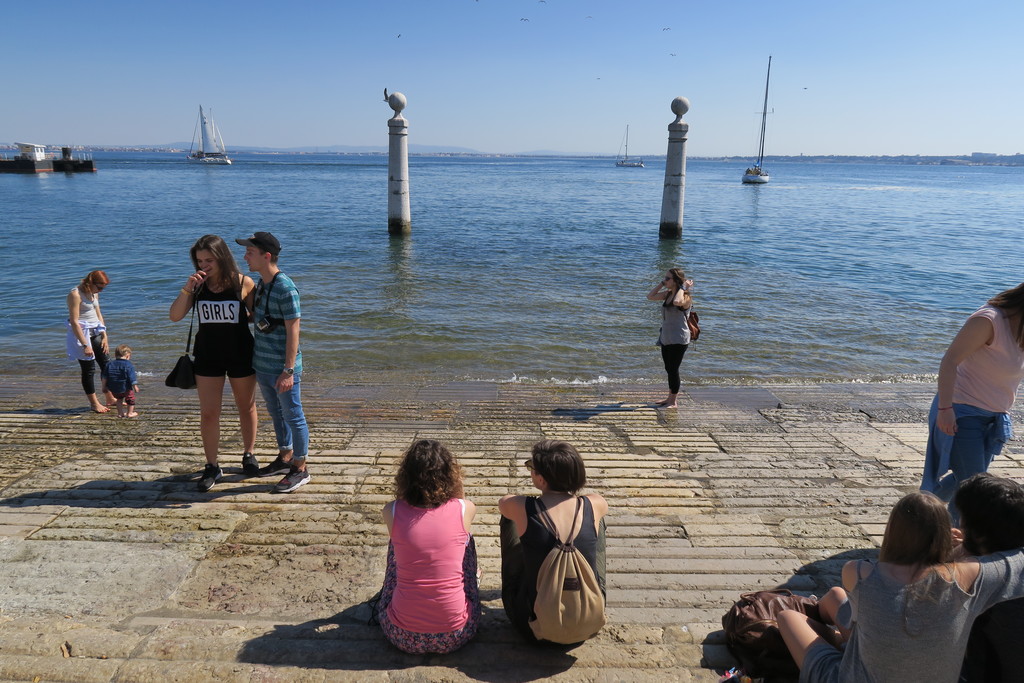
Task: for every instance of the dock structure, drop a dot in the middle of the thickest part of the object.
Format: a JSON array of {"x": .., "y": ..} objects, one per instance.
[
  {"x": 34, "y": 158},
  {"x": 117, "y": 569}
]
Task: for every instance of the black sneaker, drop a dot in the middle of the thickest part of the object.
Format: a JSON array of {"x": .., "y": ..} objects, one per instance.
[
  {"x": 279, "y": 466},
  {"x": 293, "y": 480},
  {"x": 250, "y": 466},
  {"x": 211, "y": 475}
]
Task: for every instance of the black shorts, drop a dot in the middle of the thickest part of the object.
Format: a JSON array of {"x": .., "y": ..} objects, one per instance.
[{"x": 220, "y": 365}]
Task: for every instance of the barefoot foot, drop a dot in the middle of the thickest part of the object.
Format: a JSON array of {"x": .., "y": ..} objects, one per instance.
[{"x": 99, "y": 409}]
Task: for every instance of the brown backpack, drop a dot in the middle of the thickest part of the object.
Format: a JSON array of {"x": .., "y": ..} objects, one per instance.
[
  {"x": 693, "y": 322},
  {"x": 569, "y": 606},
  {"x": 752, "y": 631}
]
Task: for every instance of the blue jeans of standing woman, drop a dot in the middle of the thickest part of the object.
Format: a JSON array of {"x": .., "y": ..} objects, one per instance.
[
  {"x": 968, "y": 456},
  {"x": 286, "y": 412},
  {"x": 980, "y": 435}
]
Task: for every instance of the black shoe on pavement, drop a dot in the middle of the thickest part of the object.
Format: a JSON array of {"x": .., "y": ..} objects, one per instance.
[
  {"x": 279, "y": 466},
  {"x": 250, "y": 466},
  {"x": 211, "y": 475},
  {"x": 293, "y": 480}
]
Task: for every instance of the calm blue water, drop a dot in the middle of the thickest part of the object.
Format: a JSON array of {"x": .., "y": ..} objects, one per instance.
[{"x": 534, "y": 269}]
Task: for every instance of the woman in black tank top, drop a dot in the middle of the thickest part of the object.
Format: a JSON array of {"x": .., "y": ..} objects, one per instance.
[
  {"x": 222, "y": 297},
  {"x": 557, "y": 470}
]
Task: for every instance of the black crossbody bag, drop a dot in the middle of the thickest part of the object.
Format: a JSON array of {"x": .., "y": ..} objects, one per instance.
[{"x": 183, "y": 375}]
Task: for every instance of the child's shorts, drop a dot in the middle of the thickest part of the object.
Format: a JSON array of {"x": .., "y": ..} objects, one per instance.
[{"x": 128, "y": 396}]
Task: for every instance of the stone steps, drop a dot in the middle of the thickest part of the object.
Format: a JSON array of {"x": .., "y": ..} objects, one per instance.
[{"x": 119, "y": 570}]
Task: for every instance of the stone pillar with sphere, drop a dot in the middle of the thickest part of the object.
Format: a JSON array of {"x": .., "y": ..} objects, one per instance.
[
  {"x": 399, "y": 215},
  {"x": 675, "y": 173}
]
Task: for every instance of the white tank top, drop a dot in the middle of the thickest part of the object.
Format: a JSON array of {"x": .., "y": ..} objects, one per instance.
[{"x": 87, "y": 307}]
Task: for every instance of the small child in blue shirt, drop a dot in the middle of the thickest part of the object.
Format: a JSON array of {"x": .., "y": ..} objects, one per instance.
[{"x": 122, "y": 381}]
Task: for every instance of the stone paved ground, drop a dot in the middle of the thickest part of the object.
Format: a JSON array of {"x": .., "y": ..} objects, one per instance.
[{"x": 116, "y": 569}]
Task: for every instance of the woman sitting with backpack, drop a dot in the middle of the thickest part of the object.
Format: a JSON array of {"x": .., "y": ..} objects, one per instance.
[
  {"x": 430, "y": 602},
  {"x": 527, "y": 523}
]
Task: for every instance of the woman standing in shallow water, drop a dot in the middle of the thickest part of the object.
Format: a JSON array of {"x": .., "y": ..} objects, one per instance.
[
  {"x": 674, "y": 338},
  {"x": 978, "y": 380},
  {"x": 87, "y": 335}
]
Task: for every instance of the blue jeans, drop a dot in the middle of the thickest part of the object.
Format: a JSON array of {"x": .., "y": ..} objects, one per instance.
[
  {"x": 286, "y": 411},
  {"x": 968, "y": 456}
]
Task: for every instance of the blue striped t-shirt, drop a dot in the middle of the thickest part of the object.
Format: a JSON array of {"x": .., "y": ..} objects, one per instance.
[{"x": 283, "y": 302}]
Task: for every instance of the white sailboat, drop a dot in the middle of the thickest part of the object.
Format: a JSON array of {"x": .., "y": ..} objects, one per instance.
[
  {"x": 756, "y": 173},
  {"x": 624, "y": 161},
  {"x": 211, "y": 144}
]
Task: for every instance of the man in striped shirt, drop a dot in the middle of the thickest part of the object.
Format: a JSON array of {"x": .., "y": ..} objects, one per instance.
[{"x": 278, "y": 361}]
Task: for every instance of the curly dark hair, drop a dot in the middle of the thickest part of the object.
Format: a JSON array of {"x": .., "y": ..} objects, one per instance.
[{"x": 429, "y": 475}]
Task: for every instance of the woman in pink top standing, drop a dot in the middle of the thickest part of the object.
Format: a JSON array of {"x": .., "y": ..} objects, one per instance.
[
  {"x": 978, "y": 381},
  {"x": 430, "y": 602}
]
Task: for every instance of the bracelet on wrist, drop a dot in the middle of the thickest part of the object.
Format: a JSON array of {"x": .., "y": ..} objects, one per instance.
[
  {"x": 186, "y": 291},
  {"x": 947, "y": 408}
]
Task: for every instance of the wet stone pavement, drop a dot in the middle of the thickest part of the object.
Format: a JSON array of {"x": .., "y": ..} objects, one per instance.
[{"x": 117, "y": 569}]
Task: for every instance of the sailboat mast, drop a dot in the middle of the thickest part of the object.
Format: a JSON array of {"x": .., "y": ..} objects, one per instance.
[
  {"x": 627, "y": 141},
  {"x": 764, "y": 113}
]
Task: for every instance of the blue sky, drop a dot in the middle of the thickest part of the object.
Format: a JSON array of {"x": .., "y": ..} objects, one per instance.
[{"x": 872, "y": 77}]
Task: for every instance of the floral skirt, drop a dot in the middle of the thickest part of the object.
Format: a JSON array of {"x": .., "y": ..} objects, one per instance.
[{"x": 431, "y": 643}]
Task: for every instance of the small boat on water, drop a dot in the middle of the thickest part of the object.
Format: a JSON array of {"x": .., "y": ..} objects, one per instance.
[
  {"x": 624, "y": 161},
  {"x": 211, "y": 144},
  {"x": 756, "y": 175}
]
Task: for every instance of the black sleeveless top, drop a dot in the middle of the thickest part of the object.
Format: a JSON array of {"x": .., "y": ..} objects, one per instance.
[
  {"x": 538, "y": 541},
  {"x": 223, "y": 325}
]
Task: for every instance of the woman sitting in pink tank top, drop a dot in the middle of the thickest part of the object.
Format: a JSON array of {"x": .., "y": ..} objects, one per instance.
[{"x": 430, "y": 602}]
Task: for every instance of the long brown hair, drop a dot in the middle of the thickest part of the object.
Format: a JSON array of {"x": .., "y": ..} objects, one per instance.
[
  {"x": 229, "y": 276},
  {"x": 679, "y": 277},
  {"x": 428, "y": 476},
  {"x": 918, "y": 532},
  {"x": 93, "y": 280},
  {"x": 1012, "y": 303}
]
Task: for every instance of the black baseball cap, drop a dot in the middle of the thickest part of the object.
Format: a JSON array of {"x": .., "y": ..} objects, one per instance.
[{"x": 264, "y": 241}]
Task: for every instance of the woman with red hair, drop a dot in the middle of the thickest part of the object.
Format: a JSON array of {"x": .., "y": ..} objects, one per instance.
[{"x": 87, "y": 335}]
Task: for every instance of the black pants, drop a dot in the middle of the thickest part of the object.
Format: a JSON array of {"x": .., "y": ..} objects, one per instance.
[
  {"x": 673, "y": 354},
  {"x": 88, "y": 365}
]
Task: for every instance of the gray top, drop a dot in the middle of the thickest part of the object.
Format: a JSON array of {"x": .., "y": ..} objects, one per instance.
[
  {"x": 674, "y": 329},
  {"x": 87, "y": 308},
  {"x": 918, "y": 632}
]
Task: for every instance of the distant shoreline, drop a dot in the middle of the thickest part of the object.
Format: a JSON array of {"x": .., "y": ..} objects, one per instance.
[{"x": 974, "y": 159}]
